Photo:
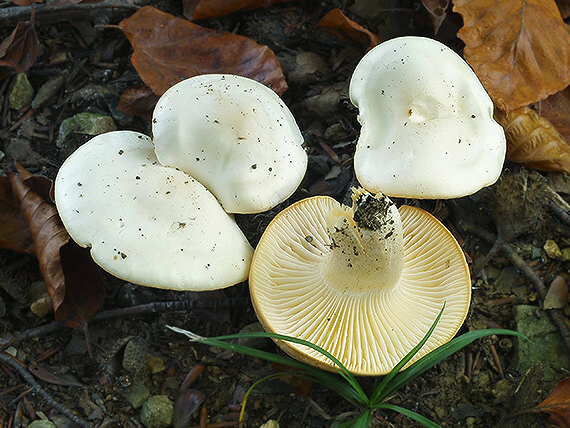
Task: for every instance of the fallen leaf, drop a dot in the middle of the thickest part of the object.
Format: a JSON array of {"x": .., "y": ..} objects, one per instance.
[
  {"x": 533, "y": 141},
  {"x": 557, "y": 404},
  {"x": 437, "y": 12},
  {"x": 73, "y": 280},
  {"x": 556, "y": 108},
  {"x": 557, "y": 296},
  {"x": 173, "y": 49},
  {"x": 206, "y": 9},
  {"x": 564, "y": 7},
  {"x": 21, "y": 49},
  {"x": 339, "y": 25},
  {"x": 138, "y": 100},
  {"x": 298, "y": 384},
  {"x": 519, "y": 49},
  {"x": 14, "y": 232}
]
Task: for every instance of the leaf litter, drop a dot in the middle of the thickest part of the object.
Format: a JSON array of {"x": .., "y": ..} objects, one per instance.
[{"x": 172, "y": 49}]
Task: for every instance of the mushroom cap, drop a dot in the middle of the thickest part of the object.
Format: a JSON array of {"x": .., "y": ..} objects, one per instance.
[
  {"x": 368, "y": 329},
  {"x": 146, "y": 223},
  {"x": 427, "y": 123},
  {"x": 235, "y": 136}
]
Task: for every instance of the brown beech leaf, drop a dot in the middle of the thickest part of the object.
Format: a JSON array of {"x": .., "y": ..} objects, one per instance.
[
  {"x": 519, "y": 49},
  {"x": 437, "y": 12},
  {"x": 557, "y": 296},
  {"x": 14, "y": 232},
  {"x": 556, "y": 108},
  {"x": 173, "y": 49},
  {"x": 557, "y": 404},
  {"x": 533, "y": 141},
  {"x": 339, "y": 25},
  {"x": 205, "y": 9},
  {"x": 138, "y": 100},
  {"x": 73, "y": 280},
  {"x": 21, "y": 49}
]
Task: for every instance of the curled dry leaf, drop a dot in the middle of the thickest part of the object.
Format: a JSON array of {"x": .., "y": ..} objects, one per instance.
[
  {"x": 519, "y": 49},
  {"x": 73, "y": 280},
  {"x": 14, "y": 232},
  {"x": 339, "y": 25},
  {"x": 437, "y": 12},
  {"x": 557, "y": 404},
  {"x": 533, "y": 141},
  {"x": 173, "y": 49},
  {"x": 21, "y": 49},
  {"x": 138, "y": 100},
  {"x": 205, "y": 9}
]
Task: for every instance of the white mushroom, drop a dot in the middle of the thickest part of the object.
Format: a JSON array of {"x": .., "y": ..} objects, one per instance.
[
  {"x": 147, "y": 223},
  {"x": 365, "y": 283},
  {"x": 235, "y": 136},
  {"x": 427, "y": 123}
]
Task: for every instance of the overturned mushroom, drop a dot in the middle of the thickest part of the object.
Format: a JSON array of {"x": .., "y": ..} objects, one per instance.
[
  {"x": 365, "y": 283},
  {"x": 147, "y": 223},
  {"x": 235, "y": 136},
  {"x": 427, "y": 123}
]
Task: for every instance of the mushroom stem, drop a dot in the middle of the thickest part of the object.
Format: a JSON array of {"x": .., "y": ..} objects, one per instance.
[{"x": 366, "y": 243}]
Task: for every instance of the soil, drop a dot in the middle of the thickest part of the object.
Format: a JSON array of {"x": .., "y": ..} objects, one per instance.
[{"x": 477, "y": 386}]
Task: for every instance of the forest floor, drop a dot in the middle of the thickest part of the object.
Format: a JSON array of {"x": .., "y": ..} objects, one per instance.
[{"x": 483, "y": 385}]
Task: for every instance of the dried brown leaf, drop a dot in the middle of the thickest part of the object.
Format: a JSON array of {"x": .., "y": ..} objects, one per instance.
[
  {"x": 206, "y": 9},
  {"x": 519, "y": 49},
  {"x": 14, "y": 232},
  {"x": 533, "y": 141},
  {"x": 343, "y": 28},
  {"x": 437, "y": 12},
  {"x": 21, "y": 49},
  {"x": 74, "y": 282},
  {"x": 173, "y": 49},
  {"x": 557, "y": 404},
  {"x": 138, "y": 100},
  {"x": 556, "y": 108},
  {"x": 557, "y": 296}
]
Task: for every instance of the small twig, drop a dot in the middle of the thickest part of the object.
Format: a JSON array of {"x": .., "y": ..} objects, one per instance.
[
  {"x": 21, "y": 370},
  {"x": 522, "y": 265},
  {"x": 150, "y": 308},
  {"x": 12, "y": 14}
]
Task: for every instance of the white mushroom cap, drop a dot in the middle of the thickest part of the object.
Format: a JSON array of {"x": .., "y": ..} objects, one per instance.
[
  {"x": 362, "y": 282},
  {"x": 235, "y": 136},
  {"x": 146, "y": 223},
  {"x": 427, "y": 123}
]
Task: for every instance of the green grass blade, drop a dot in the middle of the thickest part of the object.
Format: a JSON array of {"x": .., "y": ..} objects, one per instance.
[
  {"x": 244, "y": 403},
  {"x": 435, "y": 356},
  {"x": 352, "y": 392},
  {"x": 378, "y": 395},
  {"x": 411, "y": 414}
]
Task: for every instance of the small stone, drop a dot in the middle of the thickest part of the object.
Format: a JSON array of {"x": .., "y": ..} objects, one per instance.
[
  {"x": 157, "y": 412},
  {"x": 42, "y": 424},
  {"x": 566, "y": 254},
  {"x": 155, "y": 364},
  {"x": 136, "y": 394},
  {"x": 21, "y": 92},
  {"x": 84, "y": 123},
  {"x": 552, "y": 249},
  {"x": 270, "y": 424},
  {"x": 47, "y": 91},
  {"x": 324, "y": 103},
  {"x": 252, "y": 342}
]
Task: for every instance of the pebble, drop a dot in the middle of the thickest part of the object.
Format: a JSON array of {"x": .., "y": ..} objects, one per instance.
[
  {"x": 21, "y": 92},
  {"x": 270, "y": 424},
  {"x": 136, "y": 394},
  {"x": 47, "y": 91},
  {"x": 42, "y": 424},
  {"x": 84, "y": 123},
  {"x": 157, "y": 412},
  {"x": 253, "y": 342},
  {"x": 552, "y": 249}
]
